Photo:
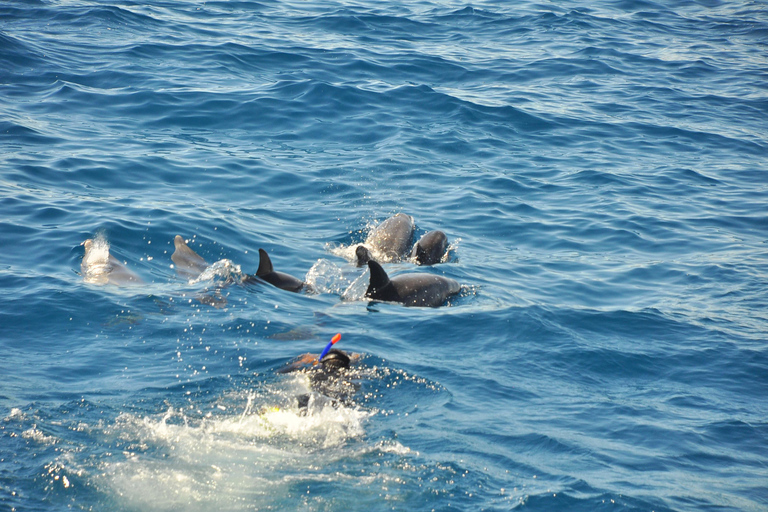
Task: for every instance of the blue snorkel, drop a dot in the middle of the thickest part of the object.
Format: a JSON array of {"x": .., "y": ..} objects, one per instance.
[{"x": 328, "y": 346}]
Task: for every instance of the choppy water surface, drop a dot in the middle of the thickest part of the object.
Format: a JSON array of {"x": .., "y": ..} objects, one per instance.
[{"x": 599, "y": 171}]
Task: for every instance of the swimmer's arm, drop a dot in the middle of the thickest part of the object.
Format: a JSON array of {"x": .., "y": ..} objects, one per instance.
[
  {"x": 300, "y": 362},
  {"x": 307, "y": 359}
]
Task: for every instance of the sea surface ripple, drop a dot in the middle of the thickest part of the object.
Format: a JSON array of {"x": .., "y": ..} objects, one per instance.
[{"x": 599, "y": 169}]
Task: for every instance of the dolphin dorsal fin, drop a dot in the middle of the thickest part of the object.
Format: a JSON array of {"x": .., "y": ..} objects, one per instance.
[
  {"x": 265, "y": 264},
  {"x": 379, "y": 278},
  {"x": 183, "y": 255},
  {"x": 380, "y": 287}
]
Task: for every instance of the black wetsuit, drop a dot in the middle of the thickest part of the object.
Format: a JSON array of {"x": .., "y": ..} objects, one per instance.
[{"x": 330, "y": 380}]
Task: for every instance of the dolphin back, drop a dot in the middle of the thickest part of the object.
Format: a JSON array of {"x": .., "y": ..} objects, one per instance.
[
  {"x": 417, "y": 289},
  {"x": 430, "y": 248},
  {"x": 425, "y": 290},
  {"x": 392, "y": 238}
]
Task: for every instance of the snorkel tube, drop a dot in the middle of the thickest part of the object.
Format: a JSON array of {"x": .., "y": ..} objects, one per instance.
[{"x": 328, "y": 346}]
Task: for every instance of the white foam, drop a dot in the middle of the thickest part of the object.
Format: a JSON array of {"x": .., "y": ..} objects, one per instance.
[
  {"x": 452, "y": 249},
  {"x": 37, "y": 436},
  {"x": 223, "y": 270},
  {"x": 348, "y": 252},
  {"x": 95, "y": 267},
  {"x": 234, "y": 461},
  {"x": 344, "y": 251}
]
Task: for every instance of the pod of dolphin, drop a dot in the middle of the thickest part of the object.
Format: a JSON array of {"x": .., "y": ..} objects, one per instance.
[{"x": 389, "y": 242}]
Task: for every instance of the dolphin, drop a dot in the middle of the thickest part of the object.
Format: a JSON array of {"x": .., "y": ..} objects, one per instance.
[
  {"x": 430, "y": 248},
  {"x": 267, "y": 273},
  {"x": 418, "y": 289},
  {"x": 363, "y": 255},
  {"x": 188, "y": 262},
  {"x": 390, "y": 240},
  {"x": 191, "y": 265},
  {"x": 100, "y": 267}
]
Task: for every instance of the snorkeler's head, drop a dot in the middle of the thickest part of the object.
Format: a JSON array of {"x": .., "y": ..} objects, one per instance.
[{"x": 335, "y": 359}]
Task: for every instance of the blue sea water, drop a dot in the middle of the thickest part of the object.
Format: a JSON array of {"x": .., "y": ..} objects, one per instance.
[{"x": 599, "y": 169}]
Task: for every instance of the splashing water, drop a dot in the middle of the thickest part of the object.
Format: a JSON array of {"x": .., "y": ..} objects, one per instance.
[
  {"x": 95, "y": 266},
  {"x": 231, "y": 460},
  {"x": 223, "y": 271}
]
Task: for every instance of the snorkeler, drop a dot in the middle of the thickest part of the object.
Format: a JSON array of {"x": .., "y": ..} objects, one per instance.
[{"x": 329, "y": 377}]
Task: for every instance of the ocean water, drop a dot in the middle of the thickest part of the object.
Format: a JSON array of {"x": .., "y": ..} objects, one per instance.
[{"x": 599, "y": 169}]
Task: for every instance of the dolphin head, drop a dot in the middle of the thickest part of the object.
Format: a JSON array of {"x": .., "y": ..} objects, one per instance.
[
  {"x": 420, "y": 254},
  {"x": 363, "y": 255}
]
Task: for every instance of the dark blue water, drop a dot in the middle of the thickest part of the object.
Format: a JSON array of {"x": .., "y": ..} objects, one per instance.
[{"x": 600, "y": 171}]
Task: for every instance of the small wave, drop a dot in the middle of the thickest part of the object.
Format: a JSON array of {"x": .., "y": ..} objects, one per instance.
[
  {"x": 327, "y": 277},
  {"x": 38, "y": 436},
  {"x": 223, "y": 271}
]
